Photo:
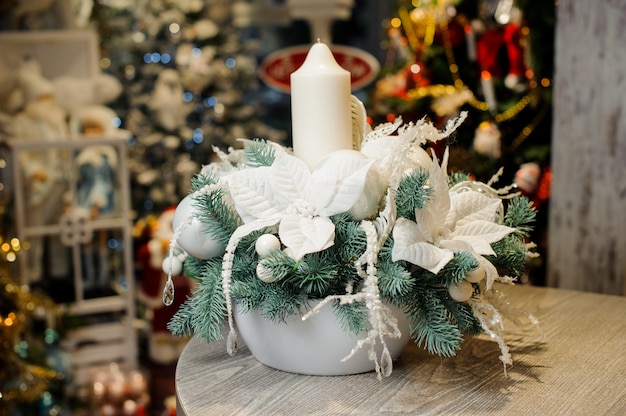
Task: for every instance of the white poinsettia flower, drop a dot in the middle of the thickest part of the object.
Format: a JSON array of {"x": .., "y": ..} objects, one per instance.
[
  {"x": 299, "y": 201},
  {"x": 450, "y": 222}
]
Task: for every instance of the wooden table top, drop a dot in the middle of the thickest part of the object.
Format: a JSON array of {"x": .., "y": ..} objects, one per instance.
[{"x": 579, "y": 368}]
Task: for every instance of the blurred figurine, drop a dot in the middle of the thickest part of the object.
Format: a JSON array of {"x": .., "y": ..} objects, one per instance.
[
  {"x": 488, "y": 140},
  {"x": 96, "y": 184},
  {"x": 34, "y": 114},
  {"x": 166, "y": 103}
]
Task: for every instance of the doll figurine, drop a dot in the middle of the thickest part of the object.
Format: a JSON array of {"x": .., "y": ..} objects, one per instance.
[{"x": 96, "y": 186}]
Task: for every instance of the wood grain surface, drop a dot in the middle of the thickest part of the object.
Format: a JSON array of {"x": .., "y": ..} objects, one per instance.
[{"x": 577, "y": 366}]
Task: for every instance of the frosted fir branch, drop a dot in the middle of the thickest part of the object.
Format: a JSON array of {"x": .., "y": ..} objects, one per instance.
[
  {"x": 454, "y": 124},
  {"x": 507, "y": 280},
  {"x": 496, "y": 176},
  {"x": 383, "y": 130},
  {"x": 386, "y": 219},
  {"x": 491, "y": 322},
  {"x": 205, "y": 190},
  {"x": 169, "y": 284},
  {"x": 227, "y": 268},
  {"x": 383, "y": 323},
  {"x": 516, "y": 315}
]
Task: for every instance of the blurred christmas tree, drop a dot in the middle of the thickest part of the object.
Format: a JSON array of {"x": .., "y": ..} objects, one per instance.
[
  {"x": 189, "y": 75},
  {"x": 33, "y": 368},
  {"x": 491, "y": 58}
]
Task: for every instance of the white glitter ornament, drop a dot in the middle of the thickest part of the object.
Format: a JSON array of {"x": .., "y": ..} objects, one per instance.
[
  {"x": 265, "y": 244},
  {"x": 193, "y": 238},
  {"x": 461, "y": 291},
  {"x": 417, "y": 157},
  {"x": 476, "y": 275}
]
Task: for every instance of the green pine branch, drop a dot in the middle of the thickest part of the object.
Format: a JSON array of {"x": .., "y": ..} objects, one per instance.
[
  {"x": 203, "y": 313},
  {"x": 520, "y": 215},
  {"x": 429, "y": 322},
  {"x": 456, "y": 269},
  {"x": 412, "y": 193},
  {"x": 353, "y": 317},
  {"x": 220, "y": 220},
  {"x": 259, "y": 153},
  {"x": 461, "y": 314}
]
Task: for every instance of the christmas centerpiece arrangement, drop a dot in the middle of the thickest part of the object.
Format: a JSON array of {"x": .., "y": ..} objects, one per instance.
[{"x": 360, "y": 228}]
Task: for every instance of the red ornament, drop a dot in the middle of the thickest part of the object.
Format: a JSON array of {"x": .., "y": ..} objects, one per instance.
[{"x": 492, "y": 42}]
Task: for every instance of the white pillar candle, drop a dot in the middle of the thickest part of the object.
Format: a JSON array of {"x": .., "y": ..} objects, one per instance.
[
  {"x": 488, "y": 91},
  {"x": 470, "y": 40},
  {"x": 320, "y": 106}
]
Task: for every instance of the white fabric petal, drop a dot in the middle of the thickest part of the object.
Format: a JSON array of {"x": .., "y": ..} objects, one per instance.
[
  {"x": 437, "y": 208},
  {"x": 337, "y": 182},
  {"x": 485, "y": 230},
  {"x": 470, "y": 206},
  {"x": 477, "y": 244},
  {"x": 246, "y": 229},
  {"x": 289, "y": 178},
  {"x": 306, "y": 235},
  {"x": 253, "y": 195},
  {"x": 410, "y": 246}
]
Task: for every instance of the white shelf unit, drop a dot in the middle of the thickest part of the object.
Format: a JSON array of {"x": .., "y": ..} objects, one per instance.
[{"x": 99, "y": 341}]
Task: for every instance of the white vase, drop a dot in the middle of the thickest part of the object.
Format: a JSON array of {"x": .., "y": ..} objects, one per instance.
[{"x": 315, "y": 346}]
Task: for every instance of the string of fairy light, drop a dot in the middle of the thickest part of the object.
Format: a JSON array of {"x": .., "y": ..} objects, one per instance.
[
  {"x": 12, "y": 246},
  {"x": 437, "y": 13}
]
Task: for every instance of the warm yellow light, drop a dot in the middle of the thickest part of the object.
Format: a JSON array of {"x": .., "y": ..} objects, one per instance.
[
  {"x": 415, "y": 68},
  {"x": 5, "y": 247},
  {"x": 174, "y": 28},
  {"x": 105, "y": 63},
  {"x": 11, "y": 257},
  {"x": 545, "y": 82},
  {"x": 15, "y": 243},
  {"x": 396, "y": 22},
  {"x": 454, "y": 68}
]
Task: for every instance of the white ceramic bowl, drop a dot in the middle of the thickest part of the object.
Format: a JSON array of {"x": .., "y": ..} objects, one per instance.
[{"x": 315, "y": 346}]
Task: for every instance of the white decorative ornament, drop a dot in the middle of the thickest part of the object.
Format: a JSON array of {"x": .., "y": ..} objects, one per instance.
[
  {"x": 461, "y": 291},
  {"x": 172, "y": 264},
  {"x": 193, "y": 238},
  {"x": 417, "y": 157},
  {"x": 476, "y": 275},
  {"x": 264, "y": 274},
  {"x": 266, "y": 243}
]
